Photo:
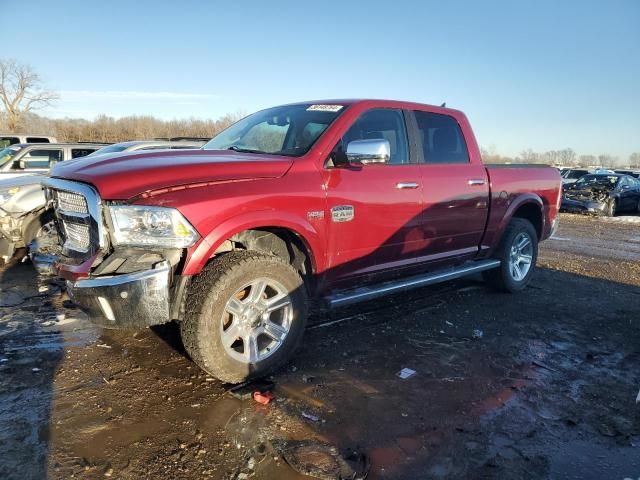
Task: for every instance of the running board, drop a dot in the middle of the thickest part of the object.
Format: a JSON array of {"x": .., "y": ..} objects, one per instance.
[{"x": 361, "y": 294}]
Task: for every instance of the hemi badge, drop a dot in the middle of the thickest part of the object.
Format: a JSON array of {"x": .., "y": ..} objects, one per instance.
[
  {"x": 315, "y": 214},
  {"x": 342, "y": 213}
]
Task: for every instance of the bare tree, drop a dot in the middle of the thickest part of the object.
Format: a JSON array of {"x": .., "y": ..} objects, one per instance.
[
  {"x": 21, "y": 91},
  {"x": 634, "y": 160},
  {"x": 607, "y": 160},
  {"x": 587, "y": 160},
  {"x": 567, "y": 157}
]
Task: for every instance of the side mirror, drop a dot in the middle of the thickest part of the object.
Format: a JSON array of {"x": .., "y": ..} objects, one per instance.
[
  {"x": 22, "y": 164},
  {"x": 363, "y": 152}
]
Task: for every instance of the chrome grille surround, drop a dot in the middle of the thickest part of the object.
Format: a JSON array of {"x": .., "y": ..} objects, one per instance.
[{"x": 78, "y": 210}]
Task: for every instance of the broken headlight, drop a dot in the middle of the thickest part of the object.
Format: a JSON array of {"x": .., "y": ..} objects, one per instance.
[{"x": 139, "y": 225}]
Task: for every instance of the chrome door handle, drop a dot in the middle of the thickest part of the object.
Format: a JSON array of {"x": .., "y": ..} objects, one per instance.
[
  {"x": 476, "y": 181},
  {"x": 404, "y": 185}
]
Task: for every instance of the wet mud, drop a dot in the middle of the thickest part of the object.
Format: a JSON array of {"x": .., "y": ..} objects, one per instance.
[{"x": 542, "y": 384}]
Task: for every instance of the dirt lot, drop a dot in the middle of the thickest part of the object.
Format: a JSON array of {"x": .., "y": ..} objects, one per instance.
[{"x": 548, "y": 390}]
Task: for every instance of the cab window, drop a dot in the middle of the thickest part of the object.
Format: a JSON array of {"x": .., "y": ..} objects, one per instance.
[
  {"x": 384, "y": 124},
  {"x": 41, "y": 159}
]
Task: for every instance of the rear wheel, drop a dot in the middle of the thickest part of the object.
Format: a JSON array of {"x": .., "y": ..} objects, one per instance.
[
  {"x": 518, "y": 252},
  {"x": 246, "y": 313}
]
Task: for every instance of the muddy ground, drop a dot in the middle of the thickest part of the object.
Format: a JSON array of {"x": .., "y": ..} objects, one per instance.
[{"x": 548, "y": 390}]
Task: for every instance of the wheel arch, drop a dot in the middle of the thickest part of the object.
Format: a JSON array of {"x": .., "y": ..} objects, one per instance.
[
  {"x": 529, "y": 207},
  {"x": 279, "y": 233}
]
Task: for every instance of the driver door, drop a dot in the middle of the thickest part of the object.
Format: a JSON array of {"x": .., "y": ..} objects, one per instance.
[{"x": 374, "y": 210}]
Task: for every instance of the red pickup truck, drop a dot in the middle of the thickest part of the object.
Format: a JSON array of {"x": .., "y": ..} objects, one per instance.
[{"x": 341, "y": 201}]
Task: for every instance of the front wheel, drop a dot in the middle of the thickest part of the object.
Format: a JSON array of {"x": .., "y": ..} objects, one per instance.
[
  {"x": 518, "y": 252},
  {"x": 245, "y": 315}
]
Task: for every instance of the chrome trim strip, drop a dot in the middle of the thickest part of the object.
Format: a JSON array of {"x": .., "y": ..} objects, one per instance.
[
  {"x": 368, "y": 293},
  {"x": 403, "y": 185},
  {"x": 476, "y": 181},
  {"x": 117, "y": 280}
]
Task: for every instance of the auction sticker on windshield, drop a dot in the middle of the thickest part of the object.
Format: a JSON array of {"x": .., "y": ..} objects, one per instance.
[{"x": 324, "y": 108}]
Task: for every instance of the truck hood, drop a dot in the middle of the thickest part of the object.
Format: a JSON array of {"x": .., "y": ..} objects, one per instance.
[{"x": 125, "y": 175}]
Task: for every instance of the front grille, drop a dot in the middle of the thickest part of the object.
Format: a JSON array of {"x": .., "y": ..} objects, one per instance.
[
  {"x": 79, "y": 216},
  {"x": 71, "y": 202},
  {"x": 77, "y": 236}
]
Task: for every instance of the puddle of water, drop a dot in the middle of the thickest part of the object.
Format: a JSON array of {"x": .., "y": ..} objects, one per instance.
[{"x": 588, "y": 461}]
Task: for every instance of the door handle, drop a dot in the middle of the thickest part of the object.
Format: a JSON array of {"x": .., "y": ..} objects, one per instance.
[
  {"x": 476, "y": 181},
  {"x": 406, "y": 185}
]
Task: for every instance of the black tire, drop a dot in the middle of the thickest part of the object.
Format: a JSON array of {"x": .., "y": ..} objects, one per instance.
[
  {"x": 32, "y": 229},
  {"x": 205, "y": 309},
  {"x": 612, "y": 206},
  {"x": 502, "y": 278}
]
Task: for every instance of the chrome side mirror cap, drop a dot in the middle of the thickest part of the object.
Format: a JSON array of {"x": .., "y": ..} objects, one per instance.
[{"x": 363, "y": 152}]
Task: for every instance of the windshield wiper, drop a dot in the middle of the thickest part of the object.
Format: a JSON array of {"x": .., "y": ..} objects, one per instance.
[{"x": 236, "y": 148}]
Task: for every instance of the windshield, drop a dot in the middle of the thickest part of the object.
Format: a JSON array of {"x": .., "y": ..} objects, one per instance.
[
  {"x": 6, "y": 154},
  {"x": 288, "y": 130},
  {"x": 109, "y": 149},
  {"x": 590, "y": 180}
]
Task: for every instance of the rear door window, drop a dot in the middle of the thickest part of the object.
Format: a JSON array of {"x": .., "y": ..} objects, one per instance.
[
  {"x": 81, "y": 152},
  {"x": 40, "y": 159},
  {"x": 441, "y": 138}
]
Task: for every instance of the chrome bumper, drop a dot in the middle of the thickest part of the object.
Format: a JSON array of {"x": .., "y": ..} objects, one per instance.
[{"x": 134, "y": 300}]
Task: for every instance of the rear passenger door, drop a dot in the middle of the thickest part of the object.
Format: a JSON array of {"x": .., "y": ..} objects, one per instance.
[{"x": 456, "y": 191}]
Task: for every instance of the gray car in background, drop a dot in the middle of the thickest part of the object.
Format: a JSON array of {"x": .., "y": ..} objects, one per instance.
[{"x": 37, "y": 158}]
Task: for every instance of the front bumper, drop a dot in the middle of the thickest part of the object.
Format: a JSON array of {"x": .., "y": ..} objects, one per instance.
[
  {"x": 134, "y": 300},
  {"x": 579, "y": 206}
]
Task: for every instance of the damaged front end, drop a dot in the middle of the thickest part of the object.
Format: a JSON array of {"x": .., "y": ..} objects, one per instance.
[
  {"x": 10, "y": 233},
  {"x": 119, "y": 260},
  {"x": 592, "y": 200}
]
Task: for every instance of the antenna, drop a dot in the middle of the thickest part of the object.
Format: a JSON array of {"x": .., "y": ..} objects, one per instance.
[{"x": 444, "y": 104}]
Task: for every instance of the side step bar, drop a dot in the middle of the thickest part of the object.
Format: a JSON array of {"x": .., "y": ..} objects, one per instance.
[{"x": 350, "y": 297}]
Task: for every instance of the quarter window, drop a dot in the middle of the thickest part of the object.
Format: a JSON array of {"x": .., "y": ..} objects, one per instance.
[
  {"x": 380, "y": 123},
  {"x": 441, "y": 138},
  {"x": 81, "y": 152}
]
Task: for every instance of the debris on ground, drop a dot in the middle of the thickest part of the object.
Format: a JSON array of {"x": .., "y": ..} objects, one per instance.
[
  {"x": 311, "y": 417},
  {"x": 406, "y": 373},
  {"x": 542, "y": 365},
  {"x": 322, "y": 461},
  {"x": 477, "y": 334},
  {"x": 245, "y": 391},
  {"x": 263, "y": 397}
]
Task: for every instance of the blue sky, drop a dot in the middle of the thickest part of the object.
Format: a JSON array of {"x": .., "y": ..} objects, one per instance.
[{"x": 529, "y": 74}]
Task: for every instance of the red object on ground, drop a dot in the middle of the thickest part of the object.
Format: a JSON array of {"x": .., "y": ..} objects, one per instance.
[{"x": 263, "y": 397}]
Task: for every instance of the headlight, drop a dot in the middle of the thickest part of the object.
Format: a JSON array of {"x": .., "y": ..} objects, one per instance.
[
  {"x": 7, "y": 193},
  {"x": 151, "y": 226}
]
